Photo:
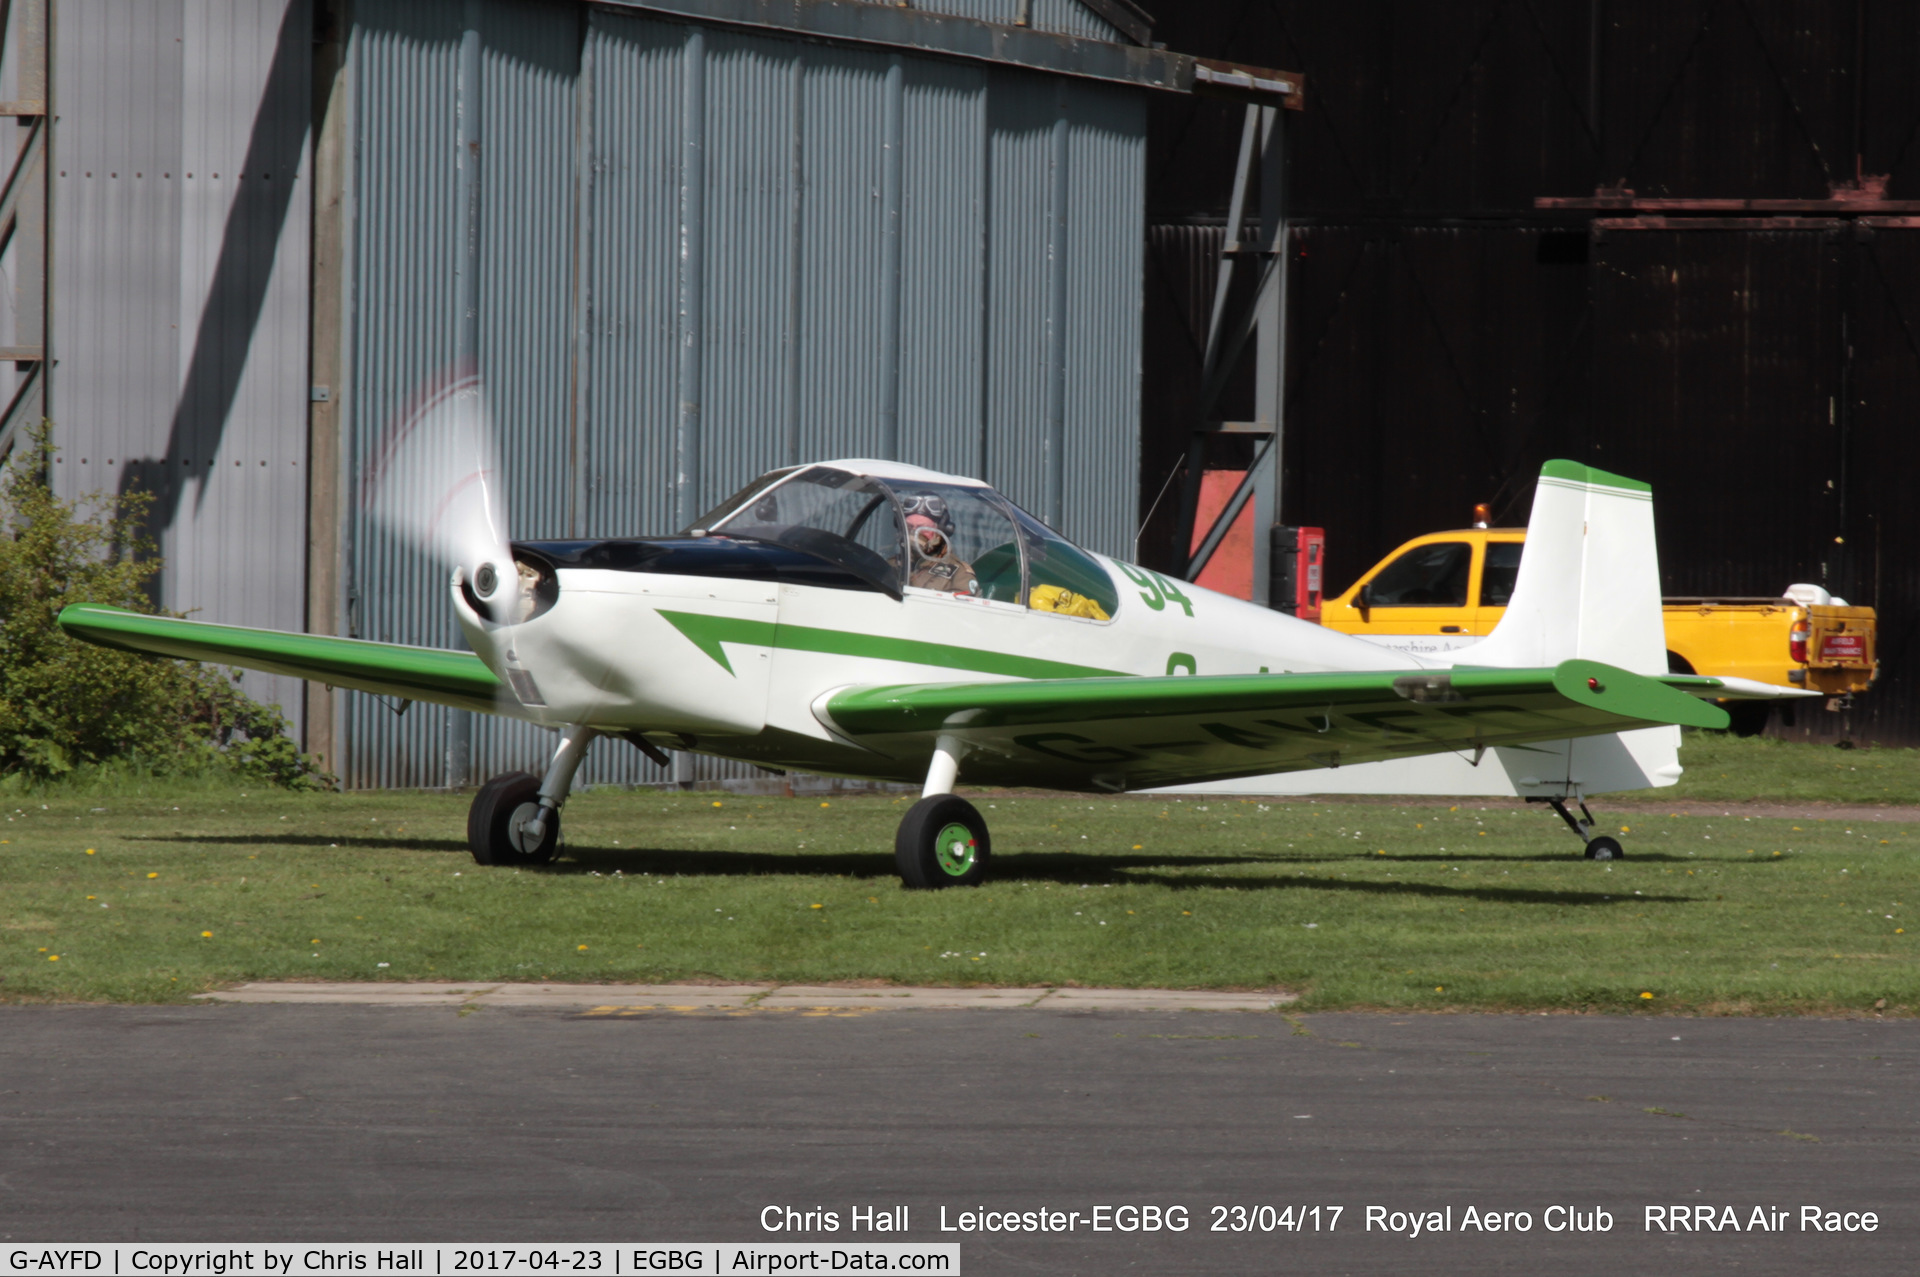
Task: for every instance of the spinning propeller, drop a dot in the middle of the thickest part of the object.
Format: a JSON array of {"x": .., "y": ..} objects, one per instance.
[{"x": 437, "y": 482}]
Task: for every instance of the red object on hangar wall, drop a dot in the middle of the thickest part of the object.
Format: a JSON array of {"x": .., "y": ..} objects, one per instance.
[{"x": 1230, "y": 570}]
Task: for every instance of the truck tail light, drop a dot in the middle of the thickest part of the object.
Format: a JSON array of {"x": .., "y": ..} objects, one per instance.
[{"x": 1797, "y": 643}]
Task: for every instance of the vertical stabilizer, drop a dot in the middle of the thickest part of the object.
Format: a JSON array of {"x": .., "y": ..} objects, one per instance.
[{"x": 1589, "y": 580}]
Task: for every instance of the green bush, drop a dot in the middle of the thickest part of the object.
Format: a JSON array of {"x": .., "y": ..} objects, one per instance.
[{"x": 68, "y": 706}]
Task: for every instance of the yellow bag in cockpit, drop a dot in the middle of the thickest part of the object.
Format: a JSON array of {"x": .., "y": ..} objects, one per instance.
[{"x": 1057, "y": 598}]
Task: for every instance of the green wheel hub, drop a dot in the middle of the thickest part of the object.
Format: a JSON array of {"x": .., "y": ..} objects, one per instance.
[{"x": 953, "y": 848}]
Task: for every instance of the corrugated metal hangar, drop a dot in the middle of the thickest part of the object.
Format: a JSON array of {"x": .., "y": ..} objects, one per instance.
[{"x": 685, "y": 241}]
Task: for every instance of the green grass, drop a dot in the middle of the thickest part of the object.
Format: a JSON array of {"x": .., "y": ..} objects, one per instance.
[
  {"x": 1471, "y": 905},
  {"x": 1721, "y": 767}
]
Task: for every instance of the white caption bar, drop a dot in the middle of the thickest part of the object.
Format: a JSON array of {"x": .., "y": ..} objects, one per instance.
[{"x": 276, "y": 1259}]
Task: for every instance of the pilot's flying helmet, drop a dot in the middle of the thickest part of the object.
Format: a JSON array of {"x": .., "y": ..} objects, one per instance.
[{"x": 928, "y": 505}]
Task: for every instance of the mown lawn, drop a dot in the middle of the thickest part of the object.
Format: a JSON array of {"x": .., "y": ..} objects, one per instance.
[
  {"x": 147, "y": 895},
  {"x": 1721, "y": 767}
]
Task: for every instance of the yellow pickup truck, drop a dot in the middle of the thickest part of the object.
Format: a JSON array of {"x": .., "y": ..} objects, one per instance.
[{"x": 1448, "y": 589}]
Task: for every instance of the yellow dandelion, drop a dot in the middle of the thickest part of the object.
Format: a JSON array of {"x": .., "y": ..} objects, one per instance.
[
  {"x": 93, "y": 897},
  {"x": 1381, "y": 852},
  {"x": 580, "y": 948},
  {"x": 53, "y": 957},
  {"x": 1625, "y": 830},
  {"x": 873, "y": 900},
  {"x": 153, "y": 875},
  {"x": 716, "y": 804},
  {"x": 315, "y": 940},
  {"x": 206, "y": 935},
  {"x": 1136, "y": 846},
  {"x": 1186, "y": 913},
  {"x": 1646, "y": 995},
  {"x": 826, "y": 804},
  {"x": 816, "y": 906},
  {"x": 89, "y": 851},
  {"x": 1439, "y": 988}
]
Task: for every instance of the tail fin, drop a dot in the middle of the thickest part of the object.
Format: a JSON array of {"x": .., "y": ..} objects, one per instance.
[{"x": 1589, "y": 581}]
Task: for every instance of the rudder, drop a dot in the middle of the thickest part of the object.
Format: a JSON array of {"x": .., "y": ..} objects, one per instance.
[{"x": 1589, "y": 578}]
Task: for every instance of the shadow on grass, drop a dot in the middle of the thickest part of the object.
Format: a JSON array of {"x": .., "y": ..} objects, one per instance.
[
  {"x": 344, "y": 842},
  {"x": 1066, "y": 868},
  {"x": 1570, "y": 856},
  {"x": 582, "y": 859}
]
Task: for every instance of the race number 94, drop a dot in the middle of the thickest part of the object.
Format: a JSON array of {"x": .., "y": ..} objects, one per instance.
[{"x": 1156, "y": 591}]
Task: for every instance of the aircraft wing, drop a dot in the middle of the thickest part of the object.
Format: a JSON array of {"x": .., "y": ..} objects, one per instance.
[
  {"x": 428, "y": 674},
  {"x": 1136, "y": 733}
]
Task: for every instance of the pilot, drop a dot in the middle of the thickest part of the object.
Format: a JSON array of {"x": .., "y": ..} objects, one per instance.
[{"x": 929, "y": 533}]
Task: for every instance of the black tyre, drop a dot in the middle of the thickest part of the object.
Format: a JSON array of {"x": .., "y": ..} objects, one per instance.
[
  {"x": 942, "y": 843},
  {"x": 1747, "y": 718},
  {"x": 499, "y": 816},
  {"x": 1604, "y": 848}
]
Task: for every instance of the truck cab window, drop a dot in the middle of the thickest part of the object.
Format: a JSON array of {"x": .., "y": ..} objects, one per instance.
[
  {"x": 1425, "y": 576},
  {"x": 1499, "y": 572}
]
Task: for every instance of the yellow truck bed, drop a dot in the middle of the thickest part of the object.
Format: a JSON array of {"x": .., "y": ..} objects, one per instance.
[{"x": 1447, "y": 589}]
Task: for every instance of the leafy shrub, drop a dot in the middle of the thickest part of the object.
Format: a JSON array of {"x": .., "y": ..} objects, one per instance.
[{"x": 67, "y": 705}]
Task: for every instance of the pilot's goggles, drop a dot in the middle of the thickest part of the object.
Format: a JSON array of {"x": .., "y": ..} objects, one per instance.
[{"x": 925, "y": 503}]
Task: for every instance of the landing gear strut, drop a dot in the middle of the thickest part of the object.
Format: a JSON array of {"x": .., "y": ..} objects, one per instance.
[
  {"x": 943, "y": 840},
  {"x": 1602, "y": 848},
  {"x": 515, "y": 818}
]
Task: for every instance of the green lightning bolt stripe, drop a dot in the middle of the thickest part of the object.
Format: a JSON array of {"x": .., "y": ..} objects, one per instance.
[{"x": 709, "y": 633}]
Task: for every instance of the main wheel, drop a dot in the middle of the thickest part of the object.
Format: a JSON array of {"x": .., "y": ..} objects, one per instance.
[
  {"x": 1604, "y": 848},
  {"x": 942, "y": 843},
  {"x": 497, "y": 821}
]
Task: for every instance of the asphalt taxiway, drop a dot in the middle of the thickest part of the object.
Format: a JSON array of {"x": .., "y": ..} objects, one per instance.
[{"x": 614, "y": 1121}]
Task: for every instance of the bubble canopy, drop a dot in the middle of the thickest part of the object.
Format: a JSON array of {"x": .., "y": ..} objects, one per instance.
[{"x": 910, "y": 531}]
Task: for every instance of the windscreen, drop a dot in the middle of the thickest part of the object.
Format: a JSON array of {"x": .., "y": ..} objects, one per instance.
[
  {"x": 843, "y": 518},
  {"x": 719, "y": 513}
]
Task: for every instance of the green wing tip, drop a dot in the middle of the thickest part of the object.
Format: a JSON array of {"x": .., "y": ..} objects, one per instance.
[{"x": 1579, "y": 472}]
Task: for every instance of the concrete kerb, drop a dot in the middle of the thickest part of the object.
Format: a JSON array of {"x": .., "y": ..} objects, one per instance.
[{"x": 628, "y": 998}]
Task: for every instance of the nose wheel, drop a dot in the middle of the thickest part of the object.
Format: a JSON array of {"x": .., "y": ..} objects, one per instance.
[
  {"x": 501, "y": 824},
  {"x": 515, "y": 818},
  {"x": 942, "y": 843}
]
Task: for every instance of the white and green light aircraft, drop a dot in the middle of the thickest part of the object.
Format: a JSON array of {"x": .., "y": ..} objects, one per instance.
[{"x": 877, "y": 620}]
